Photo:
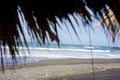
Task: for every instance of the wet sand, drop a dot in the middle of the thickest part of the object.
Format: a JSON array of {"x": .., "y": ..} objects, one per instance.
[{"x": 65, "y": 69}]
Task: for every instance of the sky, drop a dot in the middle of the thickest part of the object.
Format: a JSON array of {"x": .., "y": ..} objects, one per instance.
[{"x": 90, "y": 34}]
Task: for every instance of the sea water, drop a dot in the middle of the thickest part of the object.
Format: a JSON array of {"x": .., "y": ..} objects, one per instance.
[{"x": 35, "y": 52}]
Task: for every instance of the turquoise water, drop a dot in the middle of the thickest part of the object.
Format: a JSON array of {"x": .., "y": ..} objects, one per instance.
[{"x": 52, "y": 51}]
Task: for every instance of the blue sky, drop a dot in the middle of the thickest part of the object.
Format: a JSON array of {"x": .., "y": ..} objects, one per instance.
[
  {"x": 98, "y": 36},
  {"x": 67, "y": 35}
]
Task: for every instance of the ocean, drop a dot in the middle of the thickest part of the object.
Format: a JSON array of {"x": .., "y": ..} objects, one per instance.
[{"x": 35, "y": 52}]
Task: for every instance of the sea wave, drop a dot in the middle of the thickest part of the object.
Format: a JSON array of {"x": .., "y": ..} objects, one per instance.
[{"x": 64, "y": 49}]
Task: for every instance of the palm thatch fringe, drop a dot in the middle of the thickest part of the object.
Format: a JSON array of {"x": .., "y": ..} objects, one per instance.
[{"x": 37, "y": 15}]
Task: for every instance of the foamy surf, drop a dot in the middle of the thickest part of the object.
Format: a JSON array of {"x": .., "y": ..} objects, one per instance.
[{"x": 65, "y": 51}]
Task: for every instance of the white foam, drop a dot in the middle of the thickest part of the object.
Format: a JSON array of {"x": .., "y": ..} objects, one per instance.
[
  {"x": 66, "y": 55},
  {"x": 38, "y": 52},
  {"x": 89, "y": 47},
  {"x": 65, "y": 49}
]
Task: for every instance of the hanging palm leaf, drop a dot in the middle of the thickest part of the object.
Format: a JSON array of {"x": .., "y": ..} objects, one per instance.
[{"x": 37, "y": 15}]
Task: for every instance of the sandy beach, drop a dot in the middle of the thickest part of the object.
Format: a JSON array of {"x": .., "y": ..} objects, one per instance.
[{"x": 65, "y": 69}]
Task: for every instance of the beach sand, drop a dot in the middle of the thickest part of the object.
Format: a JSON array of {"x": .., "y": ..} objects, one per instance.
[{"x": 65, "y": 69}]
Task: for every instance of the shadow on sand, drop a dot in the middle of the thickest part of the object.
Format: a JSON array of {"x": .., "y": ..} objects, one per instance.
[{"x": 111, "y": 74}]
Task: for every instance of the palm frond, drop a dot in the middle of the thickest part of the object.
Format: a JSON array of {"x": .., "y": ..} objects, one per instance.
[{"x": 37, "y": 15}]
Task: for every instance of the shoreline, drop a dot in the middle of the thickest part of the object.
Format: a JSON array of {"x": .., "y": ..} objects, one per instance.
[
  {"x": 62, "y": 69},
  {"x": 64, "y": 61},
  {"x": 69, "y": 61}
]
